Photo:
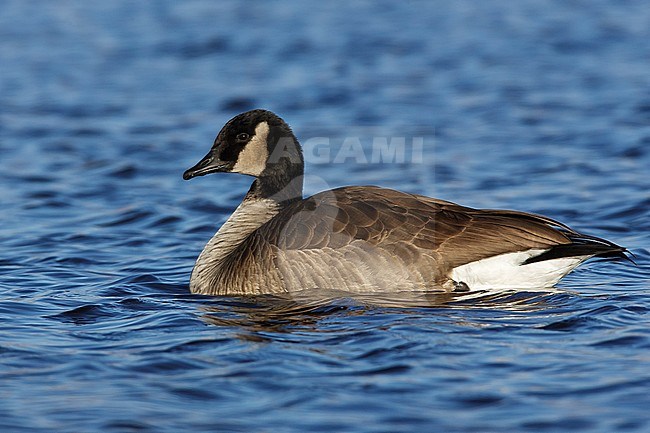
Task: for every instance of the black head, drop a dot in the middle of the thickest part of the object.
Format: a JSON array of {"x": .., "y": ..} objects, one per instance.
[{"x": 257, "y": 143}]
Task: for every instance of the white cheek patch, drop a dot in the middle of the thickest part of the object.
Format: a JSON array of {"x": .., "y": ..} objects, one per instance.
[{"x": 252, "y": 159}]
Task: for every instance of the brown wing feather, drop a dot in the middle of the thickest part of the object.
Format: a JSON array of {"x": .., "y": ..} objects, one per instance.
[{"x": 399, "y": 222}]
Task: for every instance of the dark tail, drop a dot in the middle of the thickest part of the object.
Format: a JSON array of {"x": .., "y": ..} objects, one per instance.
[{"x": 583, "y": 245}]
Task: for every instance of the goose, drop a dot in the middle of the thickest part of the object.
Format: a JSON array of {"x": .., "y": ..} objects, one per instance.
[{"x": 365, "y": 239}]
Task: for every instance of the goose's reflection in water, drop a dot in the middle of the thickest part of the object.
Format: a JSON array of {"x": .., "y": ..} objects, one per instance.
[{"x": 305, "y": 310}]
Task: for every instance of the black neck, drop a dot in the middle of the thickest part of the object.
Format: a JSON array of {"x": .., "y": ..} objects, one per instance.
[{"x": 282, "y": 191}]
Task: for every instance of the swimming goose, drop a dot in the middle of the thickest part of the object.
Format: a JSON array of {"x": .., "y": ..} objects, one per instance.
[{"x": 365, "y": 238}]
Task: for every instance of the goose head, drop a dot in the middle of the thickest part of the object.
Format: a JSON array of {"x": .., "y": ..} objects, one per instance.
[{"x": 257, "y": 143}]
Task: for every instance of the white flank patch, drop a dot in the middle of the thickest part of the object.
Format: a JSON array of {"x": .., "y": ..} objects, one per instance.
[
  {"x": 506, "y": 271},
  {"x": 252, "y": 158}
]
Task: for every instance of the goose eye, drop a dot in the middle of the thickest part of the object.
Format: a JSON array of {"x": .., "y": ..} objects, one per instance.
[{"x": 242, "y": 136}]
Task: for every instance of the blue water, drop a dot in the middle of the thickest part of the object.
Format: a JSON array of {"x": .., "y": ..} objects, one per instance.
[{"x": 534, "y": 105}]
